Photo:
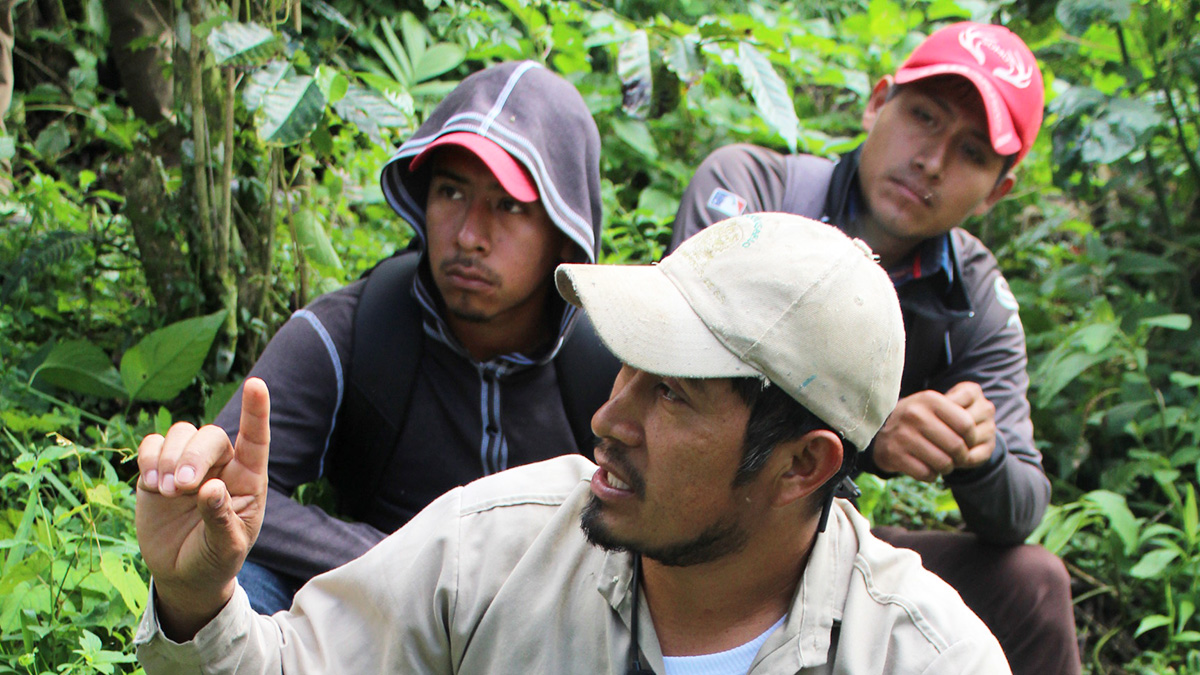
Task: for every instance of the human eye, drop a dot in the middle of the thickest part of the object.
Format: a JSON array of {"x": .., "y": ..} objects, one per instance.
[
  {"x": 445, "y": 189},
  {"x": 975, "y": 153},
  {"x": 510, "y": 206},
  {"x": 668, "y": 393}
]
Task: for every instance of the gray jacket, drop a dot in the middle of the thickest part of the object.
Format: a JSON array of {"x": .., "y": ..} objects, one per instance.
[{"x": 958, "y": 330}]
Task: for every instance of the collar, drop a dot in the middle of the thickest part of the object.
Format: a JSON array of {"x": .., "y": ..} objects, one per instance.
[
  {"x": 436, "y": 327},
  {"x": 929, "y": 260},
  {"x": 808, "y": 631},
  {"x": 932, "y": 270}
]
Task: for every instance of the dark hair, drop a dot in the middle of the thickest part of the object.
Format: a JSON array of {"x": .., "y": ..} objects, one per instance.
[
  {"x": 959, "y": 88},
  {"x": 776, "y": 417}
]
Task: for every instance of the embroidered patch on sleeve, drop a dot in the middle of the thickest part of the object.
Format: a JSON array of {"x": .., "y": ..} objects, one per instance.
[{"x": 725, "y": 202}]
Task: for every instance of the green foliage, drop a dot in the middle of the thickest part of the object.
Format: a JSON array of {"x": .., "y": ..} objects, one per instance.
[
  {"x": 72, "y": 584},
  {"x": 119, "y": 227}
]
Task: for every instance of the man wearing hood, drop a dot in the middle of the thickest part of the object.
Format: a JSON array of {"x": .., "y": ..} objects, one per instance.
[{"x": 500, "y": 184}]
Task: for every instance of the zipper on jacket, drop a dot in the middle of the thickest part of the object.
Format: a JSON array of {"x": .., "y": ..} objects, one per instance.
[{"x": 493, "y": 448}]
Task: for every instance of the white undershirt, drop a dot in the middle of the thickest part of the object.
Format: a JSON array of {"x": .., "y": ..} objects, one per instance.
[{"x": 735, "y": 661}]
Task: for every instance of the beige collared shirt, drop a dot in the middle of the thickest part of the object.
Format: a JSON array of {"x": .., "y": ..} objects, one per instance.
[{"x": 497, "y": 577}]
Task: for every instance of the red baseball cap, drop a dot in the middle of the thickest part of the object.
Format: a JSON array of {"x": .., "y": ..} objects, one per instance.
[
  {"x": 1000, "y": 66},
  {"x": 513, "y": 177}
]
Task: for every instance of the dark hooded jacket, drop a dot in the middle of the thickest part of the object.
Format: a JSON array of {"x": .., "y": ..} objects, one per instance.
[{"x": 466, "y": 419}]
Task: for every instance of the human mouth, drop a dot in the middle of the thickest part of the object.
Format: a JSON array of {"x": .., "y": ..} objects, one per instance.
[
  {"x": 616, "y": 482},
  {"x": 914, "y": 192},
  {"x": 468, "y": 274}
]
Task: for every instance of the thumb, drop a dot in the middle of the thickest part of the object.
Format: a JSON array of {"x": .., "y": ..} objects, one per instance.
[
  {"x": 223, "y": 530},
  {"x": 964, "y": 393}
]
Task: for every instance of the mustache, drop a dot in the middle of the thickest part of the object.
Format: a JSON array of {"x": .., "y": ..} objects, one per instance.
[
  {"x": 920, "y": 186},
  {"x": 462, "y": 264},
  {"x": 616, "y": 455}
]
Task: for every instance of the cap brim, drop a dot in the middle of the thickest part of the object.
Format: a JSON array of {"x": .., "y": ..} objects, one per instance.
[
  {"x": 1000, "y": 124},
  {"x": 646, "y": 322},
  {"x": 513, "y": 177}
]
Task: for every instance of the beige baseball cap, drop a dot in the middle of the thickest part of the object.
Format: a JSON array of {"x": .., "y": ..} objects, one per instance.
[{"x": 771, "y": 295}]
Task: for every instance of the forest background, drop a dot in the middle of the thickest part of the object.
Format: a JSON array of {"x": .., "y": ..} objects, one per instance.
[{"x": 178, "y": 176}]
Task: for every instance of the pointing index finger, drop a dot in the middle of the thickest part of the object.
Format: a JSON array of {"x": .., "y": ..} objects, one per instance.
[{"x": 254, "y": 430}]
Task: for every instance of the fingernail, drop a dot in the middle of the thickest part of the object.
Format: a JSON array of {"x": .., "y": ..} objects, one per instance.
[
  {"x": 167, "y": 485},
  {"x": 216, "y": 502},
  {"x": 150, "y": 479},
  {"x": 185, "y": 474}
]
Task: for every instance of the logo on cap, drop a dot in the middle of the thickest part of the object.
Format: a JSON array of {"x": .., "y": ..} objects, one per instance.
[{"x": 1016, "y": 72}]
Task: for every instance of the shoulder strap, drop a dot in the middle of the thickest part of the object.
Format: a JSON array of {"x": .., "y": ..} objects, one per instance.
[
  {"x": 808, "y": 179},
  {"x": 386, "y": 350},
  {"x": 585, "y": 370}
]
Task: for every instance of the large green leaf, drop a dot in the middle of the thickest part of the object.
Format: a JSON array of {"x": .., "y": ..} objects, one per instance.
[
  {"x": 78, "y": 365},
  {"x": 125, "y": 579},
  {"x": 315, "y": 241},
  {"x": 769, "y": 92},
  {"x": 440, "y": 58},
  {"x": 683, "y": 58},
  {"x": 1120, "y": 518},
  {"x": 633, "y": 68},
  {"x": 1153, "y": 563},
  {"x": 370, "y": 111},
  {"x": 242, "y": 44},
  {"x": 164, "y": 362},
  {"x": 263, "y": 80},
  {"x": 637, "y": 136},
  {"x": 291, "y": 110},
  {"x": 1055, "y": 375},
  {"x": 1171, "y": 321}
]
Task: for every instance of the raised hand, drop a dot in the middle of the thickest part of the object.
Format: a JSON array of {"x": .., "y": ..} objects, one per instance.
[
  {"x": 930, "y": 434},
  {"x": 200, "y": 505}
]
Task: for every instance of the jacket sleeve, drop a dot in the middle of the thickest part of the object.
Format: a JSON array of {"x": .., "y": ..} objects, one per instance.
[
  {"x": 386, "y": 612},
  {"x": 303, "y": 367},
  {"x": 1003, "y": 500},
  {"x": 755, "y": 175}
]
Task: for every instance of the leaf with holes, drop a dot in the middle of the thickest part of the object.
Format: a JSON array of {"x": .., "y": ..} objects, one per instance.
[
  {"x": 370, "y": 111},
  {"x": 242, "y": 44},
  {"x": 263, "y": 80},
  {"x": 159, "y": 366},
  {"x": 291, "y": 110},
  {"x": 633, "y": 68}
]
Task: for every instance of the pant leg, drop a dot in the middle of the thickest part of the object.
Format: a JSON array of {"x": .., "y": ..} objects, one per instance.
[
  {"x": 269, "y": 590},
  {"x": 1022, "y": 593}
]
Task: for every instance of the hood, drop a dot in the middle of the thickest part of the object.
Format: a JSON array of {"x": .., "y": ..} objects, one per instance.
[{"x": 537, "y": 117}]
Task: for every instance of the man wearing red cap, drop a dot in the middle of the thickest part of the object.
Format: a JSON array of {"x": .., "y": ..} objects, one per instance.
[
  {"x": 463, "y": 334},
  {"x": 943, "y": 134}
]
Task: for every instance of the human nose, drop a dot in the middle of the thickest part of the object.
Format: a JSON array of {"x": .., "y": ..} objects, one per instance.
[
  {"x": 619, "y": 418},
  {"x": 474, "y": 232},
  {"x": 931, "y": 155}
]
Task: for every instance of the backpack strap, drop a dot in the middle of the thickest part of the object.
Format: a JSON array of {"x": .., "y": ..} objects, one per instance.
[
  {"x": 585, "y": 370},
  {"x": 808, "y": 180},
  {"x": 388, "y": 332}
]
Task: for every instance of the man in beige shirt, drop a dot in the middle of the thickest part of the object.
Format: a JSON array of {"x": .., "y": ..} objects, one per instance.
[{"x": 758, "y": 357}]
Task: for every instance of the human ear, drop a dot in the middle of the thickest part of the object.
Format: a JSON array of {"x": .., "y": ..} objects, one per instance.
[
  {"x": 1002, "y": 188},
  {"x": 875, "y": 102},
  {"x": 806, "y": 464}
]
